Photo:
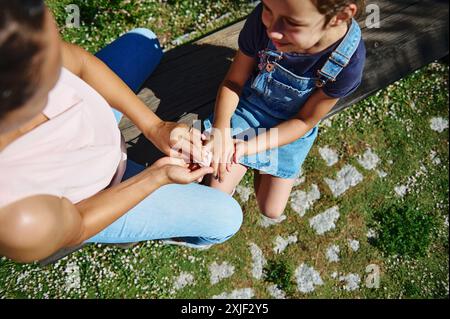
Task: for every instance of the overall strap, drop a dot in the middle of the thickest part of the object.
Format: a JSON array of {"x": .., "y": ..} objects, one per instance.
[
  {"x": 341, "y": 56},
  {"x": 268, "y": 56},
  {"x": 272, "y": 52}
]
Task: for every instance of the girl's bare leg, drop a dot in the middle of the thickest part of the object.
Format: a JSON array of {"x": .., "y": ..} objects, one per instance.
[
  {"x": 230, "y": 181},
  {"x": 272, "y": 194}
]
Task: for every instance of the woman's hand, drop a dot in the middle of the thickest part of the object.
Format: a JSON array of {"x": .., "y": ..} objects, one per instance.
[
  {"x": 177, "y": 140},
  {"x": 177, "y": 171},
  {"x": 221, "y": 145}
]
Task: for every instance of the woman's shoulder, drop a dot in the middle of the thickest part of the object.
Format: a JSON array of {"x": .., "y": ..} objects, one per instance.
[{"x": 63, "y": 95}]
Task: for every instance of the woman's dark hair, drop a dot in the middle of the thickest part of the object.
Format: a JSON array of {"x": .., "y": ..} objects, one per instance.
[
  {"x": 21, "y": 22},
  {"x": 330, "y": 8}
]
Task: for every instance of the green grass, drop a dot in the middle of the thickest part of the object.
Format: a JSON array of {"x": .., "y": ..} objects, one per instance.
[
  {"x": 404, "y": 230},
  {"x": 102, "y": 21},
  {"x": 395, "y": 123},
  {"x": 280, "y": 273}
]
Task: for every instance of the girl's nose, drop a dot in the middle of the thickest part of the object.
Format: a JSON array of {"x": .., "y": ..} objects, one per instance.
[
  {"x": 274, "y": 32},
  {"x": 275, "y": 36}
]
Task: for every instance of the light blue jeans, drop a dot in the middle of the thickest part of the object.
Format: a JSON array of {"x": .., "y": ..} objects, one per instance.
[{"x": 196, "y": 214}]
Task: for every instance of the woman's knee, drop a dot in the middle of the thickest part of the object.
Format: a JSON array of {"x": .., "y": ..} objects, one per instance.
[
  {"x": 133, "y": 57},
  {"x": 145, "y": 32},
  {"x": 152, "y": 37},
  {"x": 229, "y": 217}
]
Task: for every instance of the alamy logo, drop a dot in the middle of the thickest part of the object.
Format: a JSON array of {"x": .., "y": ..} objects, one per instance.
[
  {"x": 73, "y": 17},
  {"x": 373, "y": 16},
  {"x": 373, "y": 276}
]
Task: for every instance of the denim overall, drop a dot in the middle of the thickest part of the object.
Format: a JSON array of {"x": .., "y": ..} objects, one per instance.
[{"x": 276, "y": 95}]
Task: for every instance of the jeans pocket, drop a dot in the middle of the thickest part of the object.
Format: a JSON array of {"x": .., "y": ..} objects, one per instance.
[{"x": 259, "y": 83}]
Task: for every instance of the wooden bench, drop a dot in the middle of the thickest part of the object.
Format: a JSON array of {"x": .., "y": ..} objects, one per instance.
[{"x": 183, "y": 88}]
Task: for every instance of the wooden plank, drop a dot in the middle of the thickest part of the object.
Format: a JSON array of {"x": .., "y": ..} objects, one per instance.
[
  {"x": 188, "y": 77},
  {"x": 405, "y": 42}
]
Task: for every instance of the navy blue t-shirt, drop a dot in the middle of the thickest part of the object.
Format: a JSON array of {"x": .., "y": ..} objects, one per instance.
[{"x": 253, "y": 38}]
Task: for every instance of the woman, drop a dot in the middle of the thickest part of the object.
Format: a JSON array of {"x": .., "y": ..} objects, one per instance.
[{"x": 63, "y": 180}]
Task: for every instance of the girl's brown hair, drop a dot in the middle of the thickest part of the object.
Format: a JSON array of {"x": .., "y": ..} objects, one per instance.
[{"x": 330, "y": 8}]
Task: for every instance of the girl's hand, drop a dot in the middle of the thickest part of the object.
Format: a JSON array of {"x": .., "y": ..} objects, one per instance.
[
  {"x": 221, "y": 145},
  {"x": 240, "y": 149},
  {"x": 177, "y": 171}
]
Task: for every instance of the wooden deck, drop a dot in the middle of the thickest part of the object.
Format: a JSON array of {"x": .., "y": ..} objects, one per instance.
[{"x": 184, "y": 86}]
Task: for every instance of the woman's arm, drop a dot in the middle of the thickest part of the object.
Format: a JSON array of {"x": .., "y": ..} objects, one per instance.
[
  {"x": 226, "y": 102},
  {"x": 98, "y": 75},
  {"x": 36, "y": 227},
  {"x": 164, "y": 135},
  {"x": 315, "y": 108}
]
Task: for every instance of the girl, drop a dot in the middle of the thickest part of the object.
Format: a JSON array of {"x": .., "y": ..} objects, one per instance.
[{"x": 296, "y": 59}]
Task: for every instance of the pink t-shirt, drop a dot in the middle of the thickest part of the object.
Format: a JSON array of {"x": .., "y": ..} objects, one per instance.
[{"x": 73, "y": 155}]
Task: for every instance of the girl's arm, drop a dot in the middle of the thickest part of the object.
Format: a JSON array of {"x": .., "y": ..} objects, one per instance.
[
  {"x": 226, "y": 103},
  {"x": 98, "y": 75},
  {"x": 315, "y": 108},
  {"x": 231, "y": 88}
]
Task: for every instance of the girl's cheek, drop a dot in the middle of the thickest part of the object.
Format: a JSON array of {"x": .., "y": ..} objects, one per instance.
[
  {"x": 305, "y": 39},
  {"x": 299, "y": 40}
]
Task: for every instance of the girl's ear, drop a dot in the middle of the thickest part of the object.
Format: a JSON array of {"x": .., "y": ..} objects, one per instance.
[{"x": 344, "y": 16}]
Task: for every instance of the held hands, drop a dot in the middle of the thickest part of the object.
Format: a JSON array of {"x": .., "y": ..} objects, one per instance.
[
  {"x": 240, "y": 149},
  {"x": 178, "y": 140},
  {"x": 188, "y": 161},
  {"x": 220, "y": 144},
  {"x": 225, "y": 151},
  {"x": 192, "y": 153}
]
